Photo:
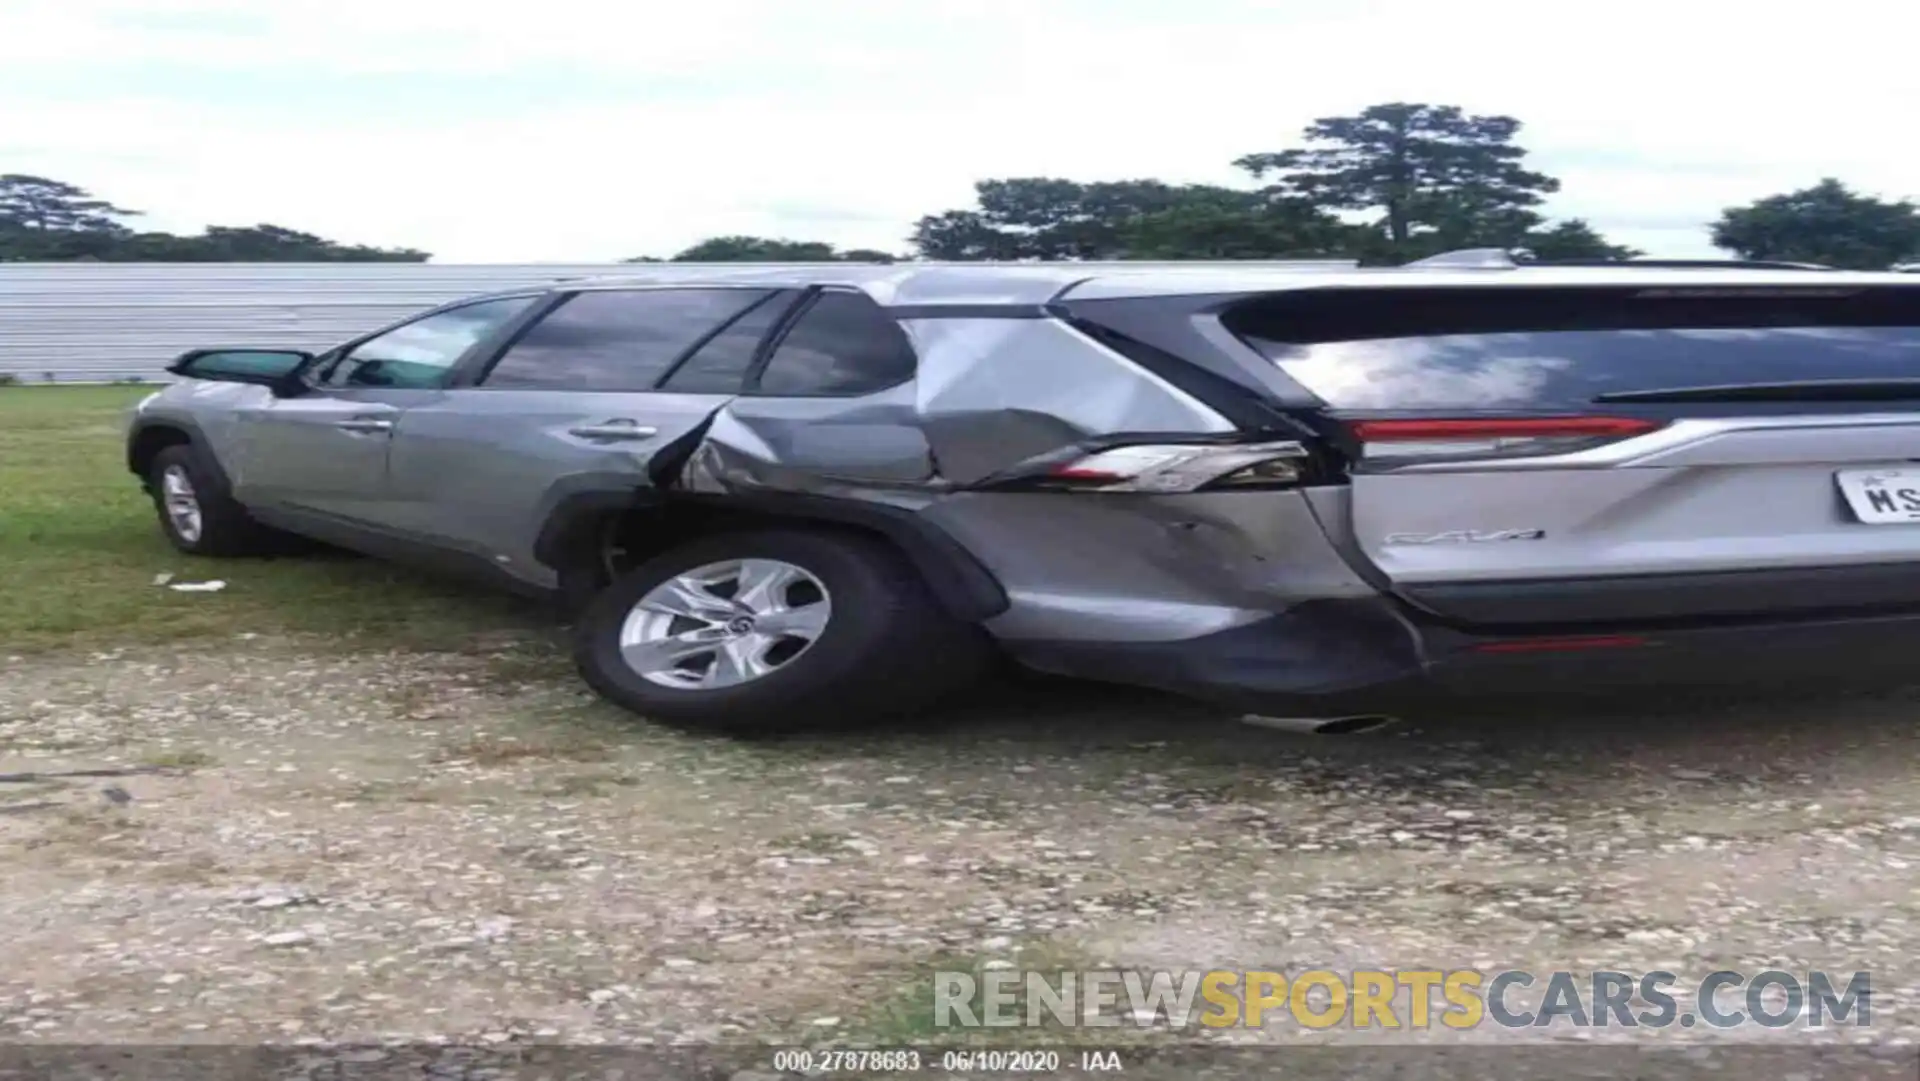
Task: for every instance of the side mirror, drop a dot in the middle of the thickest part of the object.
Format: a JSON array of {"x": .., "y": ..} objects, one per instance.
[{"x": 274, "y": 368}]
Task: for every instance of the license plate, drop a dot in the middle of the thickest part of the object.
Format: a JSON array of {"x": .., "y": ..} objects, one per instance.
[{"x": 1882, "y": 496}]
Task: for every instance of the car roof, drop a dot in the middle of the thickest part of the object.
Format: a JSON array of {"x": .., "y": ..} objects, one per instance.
[
  {"x": 913, "y": 284},
  {"x": 1522, "y": 277},
  {"x": 964, "y": 284}
]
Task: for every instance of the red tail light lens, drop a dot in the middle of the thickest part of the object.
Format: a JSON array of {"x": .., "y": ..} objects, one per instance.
[
  {"x": 1563, "y": 645},
  {"x": 1403, "y": 441}
]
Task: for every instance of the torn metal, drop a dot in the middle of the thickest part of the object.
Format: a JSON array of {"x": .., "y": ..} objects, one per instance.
[{"x": 989, "y": 394}]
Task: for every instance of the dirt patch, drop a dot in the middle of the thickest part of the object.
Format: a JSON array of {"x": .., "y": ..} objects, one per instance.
[{"x": 309, "y": 845}]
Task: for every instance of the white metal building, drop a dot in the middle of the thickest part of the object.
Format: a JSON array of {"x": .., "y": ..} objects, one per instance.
[
  {"x": 98, "y": 322},
  {"x": 105, "y": 321}
]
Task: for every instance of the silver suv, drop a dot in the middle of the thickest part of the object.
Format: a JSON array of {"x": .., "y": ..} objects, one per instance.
[{"x": 780, "y": 498}]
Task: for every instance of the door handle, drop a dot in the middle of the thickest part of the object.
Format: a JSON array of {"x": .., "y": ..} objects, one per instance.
[
  {"x": 619, "y": 429},
  {"x": 365, "y": 425}
]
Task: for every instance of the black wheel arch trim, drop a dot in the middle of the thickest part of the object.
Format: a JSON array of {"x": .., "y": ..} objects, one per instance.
[
  {"x": 195, "y": 437},
  {"x": 574, "y": 510},
  {"x": 962, "y": 584}
]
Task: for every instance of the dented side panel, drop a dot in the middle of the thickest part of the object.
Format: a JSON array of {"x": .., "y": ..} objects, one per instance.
[
  {"x": 1146, "y": 568},
  {"x": 480, "y": 470},
  {"x": 859, "y": 448},
  {"x": 991, "y": 394}
]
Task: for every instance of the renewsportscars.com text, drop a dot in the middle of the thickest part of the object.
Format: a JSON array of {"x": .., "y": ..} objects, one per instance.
[{"x": 1391, "y": 999}]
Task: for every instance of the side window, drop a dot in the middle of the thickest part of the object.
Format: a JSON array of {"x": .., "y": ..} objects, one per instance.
[
  {"x": 843, "y": 344},
  {"x": 420, "y": 354},
  {"x": 615, "y": 340},
  {"x": 720, "y": 366}
]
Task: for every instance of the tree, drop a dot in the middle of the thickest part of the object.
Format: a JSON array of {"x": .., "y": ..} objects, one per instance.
[
  {"x": 759, "y": 249},
  {"x": 51, "y": 221},
  {"x": 1021, "y": 218},
  {"x": 1248, "y": 226},
  {"x": 1827, "y": 223},
  {"x": 19, "y": 244},
  {"x": 275, "y": 244},
  {"x": 35, "y": 202},
  {"x": 1038, "y": 217},
  {"x": 965, "y": 236},
  {"x": 1424, "y": 168},
  {"x": 250, "y": 244},
  {"x": 1063, "y": 219},
  {"x": 1573, "y": 239},
  {"x": 219, "y": 244},
  {"x": 754, "y": 249}
]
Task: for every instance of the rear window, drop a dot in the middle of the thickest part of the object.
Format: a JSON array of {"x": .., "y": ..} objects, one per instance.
[{"x": 1542, "y": 348}]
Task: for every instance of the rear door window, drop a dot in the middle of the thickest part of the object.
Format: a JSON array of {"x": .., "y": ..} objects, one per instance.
[
  {"x": 1532, "y": 349},
  {"x": 720, "y": 366},
  {"x": 842, "y": 345},
  {"x": 616, "y": 339}
]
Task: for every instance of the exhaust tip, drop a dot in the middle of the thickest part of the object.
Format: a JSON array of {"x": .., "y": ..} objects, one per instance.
[{"x": 1323, "y": 726}]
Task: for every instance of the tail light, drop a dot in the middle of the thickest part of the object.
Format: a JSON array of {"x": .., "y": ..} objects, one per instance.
[
  {"x": 1405, "y": 441},
  {"x": 1175, "y": 467}
]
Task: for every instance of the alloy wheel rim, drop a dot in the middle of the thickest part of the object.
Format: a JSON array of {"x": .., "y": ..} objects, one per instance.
[
  {"x": 725, "y": 624},
  {"x": 182, "y": 503}
]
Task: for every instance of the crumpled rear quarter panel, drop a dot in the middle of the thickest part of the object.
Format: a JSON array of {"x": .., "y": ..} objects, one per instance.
[{"x": 991, "y": 394}]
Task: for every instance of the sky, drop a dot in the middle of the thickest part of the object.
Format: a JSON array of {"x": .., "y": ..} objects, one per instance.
[{"x": 589, "y": 130}]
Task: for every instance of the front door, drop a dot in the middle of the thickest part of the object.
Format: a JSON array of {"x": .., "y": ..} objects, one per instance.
[{"x": 324, "y": 453}]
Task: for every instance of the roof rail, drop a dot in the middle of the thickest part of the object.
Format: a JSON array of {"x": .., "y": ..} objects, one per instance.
[
  {"x": 1510, "y": 258},
  {"x": 1470, "y": 259},
  {"x": 1704, "y": 264}
]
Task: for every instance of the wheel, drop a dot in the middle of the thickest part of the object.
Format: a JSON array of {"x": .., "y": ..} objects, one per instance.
[
  {"x": 196, "y": 513},
  {"x": 774, "y": 631}
]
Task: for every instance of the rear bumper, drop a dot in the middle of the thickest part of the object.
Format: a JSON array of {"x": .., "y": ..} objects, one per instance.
[
  {"x": 1332, "y": 657},
  {"x": 1318, "y": 650}
]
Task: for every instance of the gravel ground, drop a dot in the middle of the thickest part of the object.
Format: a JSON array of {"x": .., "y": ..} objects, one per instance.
[{"x": 298, "y": 845}]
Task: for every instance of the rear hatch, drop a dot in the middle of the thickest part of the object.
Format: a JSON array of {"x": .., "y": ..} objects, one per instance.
[{"x": 1525, "y": 456}]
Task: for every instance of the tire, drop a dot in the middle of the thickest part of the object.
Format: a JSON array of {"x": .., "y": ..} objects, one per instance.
[
  {"x": 223, "y": 527},
  {"x": 886, "y": 648}
]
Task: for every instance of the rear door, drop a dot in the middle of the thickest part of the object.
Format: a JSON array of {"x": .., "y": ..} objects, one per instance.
[
  {"x": 579, "y": 401},
  {"x": 1533, "y": 456}
]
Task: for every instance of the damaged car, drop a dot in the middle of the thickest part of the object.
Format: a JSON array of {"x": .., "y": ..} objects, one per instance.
[{"x": 783, "y": 498}]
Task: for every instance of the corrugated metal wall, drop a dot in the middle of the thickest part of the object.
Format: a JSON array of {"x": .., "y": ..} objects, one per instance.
[
  {"x": 99, "y": 322},
  {"x": 104, "y": 321}
]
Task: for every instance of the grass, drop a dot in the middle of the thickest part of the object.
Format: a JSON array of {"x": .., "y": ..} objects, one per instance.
[{"x": 79, "y": 551}]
